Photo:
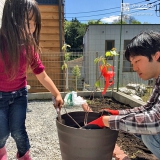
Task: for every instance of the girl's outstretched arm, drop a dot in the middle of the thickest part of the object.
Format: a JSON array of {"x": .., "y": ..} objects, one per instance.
[{"x": 46, "y": 81}]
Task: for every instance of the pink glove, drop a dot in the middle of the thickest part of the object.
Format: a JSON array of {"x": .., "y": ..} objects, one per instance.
[
  {"x": 112, "y": 112},
  {"x": 95, "y": 124}
]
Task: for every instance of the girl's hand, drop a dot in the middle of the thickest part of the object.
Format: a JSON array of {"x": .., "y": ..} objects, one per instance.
[{"x": 57, "y": 101}]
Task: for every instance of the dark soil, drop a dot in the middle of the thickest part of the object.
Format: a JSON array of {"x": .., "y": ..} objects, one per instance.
[{"x": 131, "y": 145}]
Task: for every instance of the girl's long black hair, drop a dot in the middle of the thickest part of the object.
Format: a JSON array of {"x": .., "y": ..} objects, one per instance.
[{"x": 14, "y": 34}]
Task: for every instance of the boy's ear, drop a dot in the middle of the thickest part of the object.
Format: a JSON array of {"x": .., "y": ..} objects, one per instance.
[{"x": 157, "y": 55}]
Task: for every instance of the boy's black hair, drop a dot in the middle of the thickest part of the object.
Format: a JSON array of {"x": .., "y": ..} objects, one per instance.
[
  {"x": 14, "y": 33},
  {"x": 144, "y": 44}
]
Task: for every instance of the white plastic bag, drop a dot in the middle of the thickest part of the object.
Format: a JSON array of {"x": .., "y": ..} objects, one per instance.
[
  {"x": 68, "y": 99},
  {"x": 71, "y": 99}
]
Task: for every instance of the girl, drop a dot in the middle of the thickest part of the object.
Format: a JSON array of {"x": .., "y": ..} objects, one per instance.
[{"x": 19, "y": 40}]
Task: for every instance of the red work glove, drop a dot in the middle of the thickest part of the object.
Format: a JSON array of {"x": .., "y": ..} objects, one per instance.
[
  {"x": 112, "y": 112},
  {"x": 95, "y": 124}
]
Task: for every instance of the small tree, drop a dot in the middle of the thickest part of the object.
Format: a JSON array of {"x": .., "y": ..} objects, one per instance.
[
  {"x": 102, "y": 61},
  {"x": 65, "y": 65},
  {"x": 76, "y": 73}
]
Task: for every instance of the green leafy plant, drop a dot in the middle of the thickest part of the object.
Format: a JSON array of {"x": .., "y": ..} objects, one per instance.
[
  {"x": 111, "y": 53},
  {"x": 102, "y": 61},
  {"x": 66, "y": 56}
]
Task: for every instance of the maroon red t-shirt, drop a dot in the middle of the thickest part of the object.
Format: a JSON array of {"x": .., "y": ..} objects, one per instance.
[{"x": 7, "y": 85}]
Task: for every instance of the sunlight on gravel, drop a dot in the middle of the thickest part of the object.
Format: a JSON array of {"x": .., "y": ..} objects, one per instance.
[{"x": 42, "y": 131}]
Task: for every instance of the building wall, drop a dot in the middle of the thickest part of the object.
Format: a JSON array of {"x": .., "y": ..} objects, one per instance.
[
  {"x": 50, "y": 32},
  {"x": 51, "y": 38},
  {"x": 94, "y": 44}
]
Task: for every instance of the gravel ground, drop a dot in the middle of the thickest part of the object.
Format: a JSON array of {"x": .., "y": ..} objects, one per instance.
[{"x": 42, "y": 131}]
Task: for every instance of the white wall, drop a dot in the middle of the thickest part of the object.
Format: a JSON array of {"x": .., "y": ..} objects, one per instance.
[
  {"x": 94, "y": 41},
  {"x": 1, "y": 9}
]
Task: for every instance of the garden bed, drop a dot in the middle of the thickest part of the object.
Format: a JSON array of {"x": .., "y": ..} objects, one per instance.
[
  {"x": 41, "y": 127},
  {"x": 132, "y": 146}
]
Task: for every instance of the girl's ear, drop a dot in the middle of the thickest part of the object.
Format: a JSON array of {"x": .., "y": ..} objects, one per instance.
[{"x": 157, "y": 55}]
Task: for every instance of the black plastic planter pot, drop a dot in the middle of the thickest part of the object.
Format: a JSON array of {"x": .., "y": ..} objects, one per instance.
[{"x": 82, "y": 144}]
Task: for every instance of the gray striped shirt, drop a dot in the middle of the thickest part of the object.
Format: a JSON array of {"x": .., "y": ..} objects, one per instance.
[{"x": 141, "y": 120}]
